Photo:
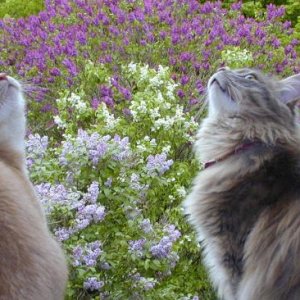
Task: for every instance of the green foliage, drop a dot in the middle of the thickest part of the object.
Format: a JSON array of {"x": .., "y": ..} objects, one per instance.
[
  {"x": 256, "y": 8},
  {"x": 20, "y": 8}
]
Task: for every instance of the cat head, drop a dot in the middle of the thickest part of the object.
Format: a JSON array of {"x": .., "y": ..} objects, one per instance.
[
  {"x": 249, "y": 94},
  {"x": 12, "y": 115},
  {"x": 11, "y": 99}
]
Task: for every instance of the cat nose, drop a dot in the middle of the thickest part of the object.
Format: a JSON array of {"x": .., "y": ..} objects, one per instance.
[
  {"x": 3, "y": 76},
  {"x": 223, "y": 69}
]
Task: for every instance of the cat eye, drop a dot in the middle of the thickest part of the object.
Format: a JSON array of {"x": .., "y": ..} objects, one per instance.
[{"x": 250, "y": 77}]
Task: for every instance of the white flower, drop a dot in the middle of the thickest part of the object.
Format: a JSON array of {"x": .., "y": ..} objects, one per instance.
[
  {"x": 154, "y": 113},
  {"x": 144, "y": 72},
  {"x": 160, "y": 98},
  {"x": 61, "y": 101},
  {"x": 81, "y": 107},
  {"x": 132, "y": 67},
  {"x": 141, "y": 148},
  {"x": 166, "y": 149},
  {"x": 109, "y": 119},
  {"x": 153, "y": 143},
  {"x": 181, "y": 191},
  {"x": 138, "y": 109},
  {"x": 156, "y": 81},
  {"x": 74, "y": 99},
  {"x": 59, "y": 122}
]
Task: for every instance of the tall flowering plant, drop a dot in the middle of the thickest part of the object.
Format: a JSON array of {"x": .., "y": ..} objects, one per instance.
[{"x": 107, "y": 187}]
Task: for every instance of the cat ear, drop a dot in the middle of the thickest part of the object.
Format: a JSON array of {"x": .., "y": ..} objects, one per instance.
[{"x": 290, "y": 90}]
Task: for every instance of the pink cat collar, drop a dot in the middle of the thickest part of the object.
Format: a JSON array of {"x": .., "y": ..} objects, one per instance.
[{"x": 241, "y": 148}]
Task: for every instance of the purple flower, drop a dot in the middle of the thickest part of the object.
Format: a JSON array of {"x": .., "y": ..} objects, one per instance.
[
  {"x": 207, "y": 8},
  {"x": 81, "y": 224},
  {"x": 236, "y": 6},
  {"x": 81, "y": 37},
  {"x": 95, "y": 103},
  {"x": 288, "y": 49},
  {"x": 108, "y": 182},
  {"x": 92, "y": 193},
  {"x": 99, "y": 214},
  {"x": 287, "y": 24},
  {"x": 158, "y": 163},
  {"x": 70, "y": 66},
  {"x": 127, "y": 112},
  {"x": 36, "y": 147},
  {"x": 93, "y": 284},
  {"x": 145, "y": 283},
  {"x": 173, "y": 233},
  {"x": 77, "y": 253},
  {"x": 126, "y": 93},
  {"x": 108, "y": 101},
  {"x": 146, "y": 226},
  {"x": 274, "y": 12},
  {"x": 87, "y": 254},
  {"x": 137, "y": 245},
  {"x": 276, "y": 43},
  {"x": 162, "y": 249},
  {"x": 55, "y": 72},
  {"x": 62, "y": 234},
  {"x": 184, "y": 79},
  {"x": 180, "y": 93}
]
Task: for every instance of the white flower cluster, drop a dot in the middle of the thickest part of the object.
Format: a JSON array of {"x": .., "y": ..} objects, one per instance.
[
  {"x": 169, "y": 121},
  {"x": 147, "y": 145},
  {"x": 59, "y": 122},
  {"x": 236, "y": 55},
  {"x": 181, "y": 191},
  {"x": 74, "y": 101},
  {"x": 155, "y": 101},
  {"x": 103, "y": 115},
  {"x": 70, "y": 101}
]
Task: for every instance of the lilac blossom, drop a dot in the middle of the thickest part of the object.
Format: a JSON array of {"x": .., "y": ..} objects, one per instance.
[
  {"x": 164, "y": 247},
  {"x": 93, "y": 284},
  {"x": 36, "y": 147},
  {"x": 84, "y": 206},
  {"x": 158, "y": 163},
  {"x": 137, "y": 247},
  {"x": 87, "y": 255},
  {"x": 63, "y": 234},
  {"x": 143, "y": 282},
  {"x": 92, "y": 193},
  {"x": 51, "y": 195},
  {"x": 146, "y": 226}
]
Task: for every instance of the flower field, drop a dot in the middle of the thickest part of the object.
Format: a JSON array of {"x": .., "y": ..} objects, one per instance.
[{"x": 115, "y": 92}]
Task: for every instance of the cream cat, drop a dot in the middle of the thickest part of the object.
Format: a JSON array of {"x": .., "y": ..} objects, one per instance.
[
  {"x": 32, "y": 264},
  {"x": 245, "y": 204}
]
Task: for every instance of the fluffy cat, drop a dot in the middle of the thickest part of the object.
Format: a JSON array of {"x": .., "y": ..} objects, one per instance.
[
  {"x": 245, "y": 204},
  {"x": 32, "y": 264}
]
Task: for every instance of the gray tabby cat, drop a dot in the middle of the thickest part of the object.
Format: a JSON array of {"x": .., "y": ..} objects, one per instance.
[
  {"x": 245, "y": 204},
  {"x": 32, "y": 264}
]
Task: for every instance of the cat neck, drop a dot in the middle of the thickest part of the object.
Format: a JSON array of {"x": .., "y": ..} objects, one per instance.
[
  {"x": 241, "y": 148},
  {"x": 219, "y": 138},
  {"x": 12, "y": 145}
]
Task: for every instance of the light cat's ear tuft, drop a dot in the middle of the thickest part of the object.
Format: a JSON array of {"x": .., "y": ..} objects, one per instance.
[
  {"x": 291, "y": 105},
  {"x": 290, "y": 90}
]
